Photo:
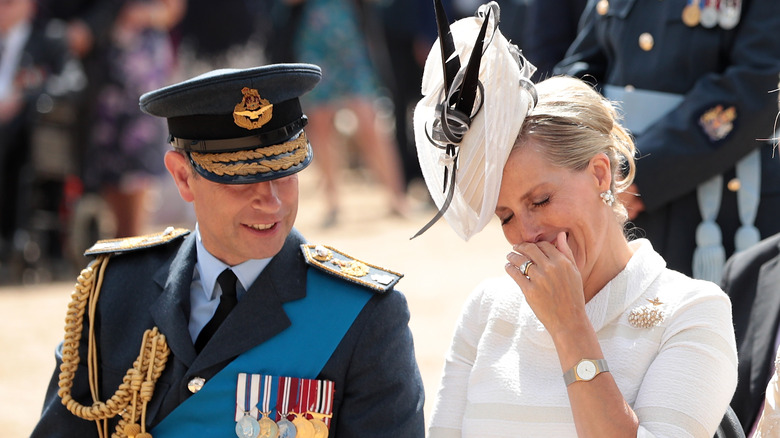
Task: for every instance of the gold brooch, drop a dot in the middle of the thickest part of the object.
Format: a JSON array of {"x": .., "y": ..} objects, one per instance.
[
  {"x": 253, "y": 111},
  {"x": 648, "y": 315}
]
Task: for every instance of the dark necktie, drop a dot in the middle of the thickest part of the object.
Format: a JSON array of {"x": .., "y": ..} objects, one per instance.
[{"x": 227, "y": 301}]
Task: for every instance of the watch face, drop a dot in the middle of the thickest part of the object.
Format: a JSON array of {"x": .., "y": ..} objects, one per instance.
[{"x": 586, "y": 370}]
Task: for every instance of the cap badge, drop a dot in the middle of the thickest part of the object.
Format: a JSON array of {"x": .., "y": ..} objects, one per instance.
[
  {"x": 717, "y": 122},
  {"x": 253, "y": 111}
]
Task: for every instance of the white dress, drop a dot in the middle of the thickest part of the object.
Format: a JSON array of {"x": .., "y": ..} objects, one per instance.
[{"x": 502, "y": 376}]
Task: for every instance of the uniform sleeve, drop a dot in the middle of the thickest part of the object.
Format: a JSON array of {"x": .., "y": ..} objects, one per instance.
[
  {"x": 56, "y": 421},
  {"x": 383, "y": 392},
  {"x": 688, "y": 387},
  {"x": 451, "y": 399}
]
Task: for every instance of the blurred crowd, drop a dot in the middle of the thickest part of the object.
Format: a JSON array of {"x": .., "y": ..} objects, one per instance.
[{"x": 80, "y": 162}]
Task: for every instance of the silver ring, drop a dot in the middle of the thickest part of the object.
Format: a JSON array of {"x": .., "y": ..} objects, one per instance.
[{"x": 524, "y": 268}]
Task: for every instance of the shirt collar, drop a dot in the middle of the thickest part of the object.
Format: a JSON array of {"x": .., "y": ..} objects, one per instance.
[{"x": 209, "y": 268}]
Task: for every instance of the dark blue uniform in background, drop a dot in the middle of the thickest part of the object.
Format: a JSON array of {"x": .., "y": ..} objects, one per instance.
[{"x": 645, "y": 45}]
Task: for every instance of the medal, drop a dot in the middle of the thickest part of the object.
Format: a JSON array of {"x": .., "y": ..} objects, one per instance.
[
  {"x": 322, "y": 411},
  {"x": 247, "y": 396},
  {"x": 247, "y": 427},
  {"x": 303, "y": 427},
  {"x": 320, "y": 429},
  {"x": 691, "y": 13},
  {"x": 288, "y": 390},
  {"x": 268, "y": 427},
  {"x": 730, "y": 12},
  {"x": 268, "y": 397},
  {"x": 709, "y": 15},
  {"x": 286, "y": 428}
]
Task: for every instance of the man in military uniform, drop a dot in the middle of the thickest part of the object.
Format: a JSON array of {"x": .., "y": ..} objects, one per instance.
[
  {"x": 239, "y": 326},
  {"x": 697, "y": 81}
]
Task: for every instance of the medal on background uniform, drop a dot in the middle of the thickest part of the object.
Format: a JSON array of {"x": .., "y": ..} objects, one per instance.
[
  {"x": 247, "y": 397},
  {"x": 691, "y": 13},
  {"x": 729, "y": 14},
  {"x": 288, "y": 390},
  {"x": 709, "y": 14}
]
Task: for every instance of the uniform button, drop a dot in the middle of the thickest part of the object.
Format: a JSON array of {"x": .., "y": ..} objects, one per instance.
[
  {"x": 196, "y": 384},
  {"x": 602, "y": 7},
  {"x": 646, "y": 42},
  {"x": 734, "y": 185}
]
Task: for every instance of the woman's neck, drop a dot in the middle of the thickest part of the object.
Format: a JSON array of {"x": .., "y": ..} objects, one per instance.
[{"x": 613, "y": 259}]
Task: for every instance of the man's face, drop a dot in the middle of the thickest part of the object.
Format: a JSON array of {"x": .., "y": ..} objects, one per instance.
[{"x": 238, "y": 222}]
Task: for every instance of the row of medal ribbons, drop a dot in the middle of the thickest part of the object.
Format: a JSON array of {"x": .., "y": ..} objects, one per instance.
[
  {"x": 711, "y": 13},
  {"x": 283, "y": 407}
]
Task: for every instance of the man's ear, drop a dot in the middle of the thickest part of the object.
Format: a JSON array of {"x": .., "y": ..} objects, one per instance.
[
  {"x": 601, "y": 169},
  {"x": 179, "y": 167}
]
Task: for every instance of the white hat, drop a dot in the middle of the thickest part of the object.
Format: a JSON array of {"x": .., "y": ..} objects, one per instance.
[{"x": 472, "y": 137}]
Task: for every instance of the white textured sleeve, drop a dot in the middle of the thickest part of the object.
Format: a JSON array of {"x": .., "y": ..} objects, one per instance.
[
  {"x": 688, "y": 386},
  {"x": 451, "y": 399}
]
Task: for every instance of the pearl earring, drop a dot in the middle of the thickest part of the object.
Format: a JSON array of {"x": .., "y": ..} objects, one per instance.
[{"x": 608, "y": 197}]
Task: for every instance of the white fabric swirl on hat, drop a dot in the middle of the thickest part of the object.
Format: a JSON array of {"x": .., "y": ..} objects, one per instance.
[{"x": 486, "y": 145}]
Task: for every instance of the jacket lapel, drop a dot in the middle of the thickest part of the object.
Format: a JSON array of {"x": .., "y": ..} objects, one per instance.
[
  {"x": 171, "y": 310},
  {"x": 766, "y": 310},
  {"x": 259, "y": 315}
]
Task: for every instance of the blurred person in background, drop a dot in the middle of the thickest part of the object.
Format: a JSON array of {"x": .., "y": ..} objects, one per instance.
[
  {"x": 333, "y": 35},
  {"x": 408, "y": 33},
  {"x": 36, "y": 68},
  {"x": 124, "y": 156},
  {"x": 695, "y": 82},
  {"x": 235, "y": 37},
  {"x": 550, "y": 28}
]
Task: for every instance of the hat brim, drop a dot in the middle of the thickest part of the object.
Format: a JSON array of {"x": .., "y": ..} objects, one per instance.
[{"x": 254, "y": 166}]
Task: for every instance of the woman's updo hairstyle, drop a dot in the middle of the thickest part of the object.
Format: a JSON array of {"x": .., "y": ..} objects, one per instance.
[{"x": 571, "y": 123}]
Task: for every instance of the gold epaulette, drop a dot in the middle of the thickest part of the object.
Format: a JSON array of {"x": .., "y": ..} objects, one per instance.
[
  {"x": 138, "y": 242},
  {"x": 341, "y": 265}
]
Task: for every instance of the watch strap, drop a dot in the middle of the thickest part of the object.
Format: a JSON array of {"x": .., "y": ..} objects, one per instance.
[{"x": 571, "y": 375}]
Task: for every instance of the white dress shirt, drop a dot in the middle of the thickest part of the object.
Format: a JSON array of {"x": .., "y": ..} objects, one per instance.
[{"x": 205, "y": 292}]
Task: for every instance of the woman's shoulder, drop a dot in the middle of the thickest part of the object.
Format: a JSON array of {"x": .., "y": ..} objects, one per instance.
[{"x": 679, "y": 291}]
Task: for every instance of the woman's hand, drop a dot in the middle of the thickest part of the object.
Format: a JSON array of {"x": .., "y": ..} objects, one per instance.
[{"x": 553, "y": 286}]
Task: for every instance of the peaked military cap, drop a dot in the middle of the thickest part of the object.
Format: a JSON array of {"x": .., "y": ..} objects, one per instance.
[{"x": 239, "y": 126}]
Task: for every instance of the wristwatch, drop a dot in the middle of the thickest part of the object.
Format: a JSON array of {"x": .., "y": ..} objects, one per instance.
[{"x": 585, "y": 370}]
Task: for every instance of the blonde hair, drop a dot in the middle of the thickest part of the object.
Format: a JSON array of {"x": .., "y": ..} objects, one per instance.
[{"x": 572, "y": 123}]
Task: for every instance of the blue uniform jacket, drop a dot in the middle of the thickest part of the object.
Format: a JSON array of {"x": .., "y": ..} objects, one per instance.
[{"x": 379, "y": 391}]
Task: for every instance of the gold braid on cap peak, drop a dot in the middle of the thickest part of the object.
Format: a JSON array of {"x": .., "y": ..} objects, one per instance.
[
  {"x": 137, "y": 385},
  {"x": 235, "y": 163}
]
